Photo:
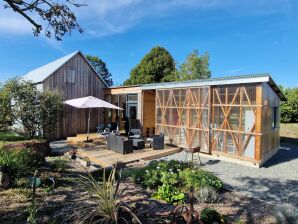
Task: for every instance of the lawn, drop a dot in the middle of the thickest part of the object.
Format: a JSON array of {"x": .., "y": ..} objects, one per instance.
[
  {"x": 289, "y": 132},
  {"x": 10, "y": 137}
]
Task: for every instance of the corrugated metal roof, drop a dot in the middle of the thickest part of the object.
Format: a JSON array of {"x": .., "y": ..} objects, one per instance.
[
  {"x": 228, "y": 80},
  {"x": 38, "y": 75},
  {"x": 41, "y": 73}
]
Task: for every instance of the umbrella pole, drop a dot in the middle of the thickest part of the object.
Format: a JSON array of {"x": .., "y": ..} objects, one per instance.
[{"x": 88, "y": 126}]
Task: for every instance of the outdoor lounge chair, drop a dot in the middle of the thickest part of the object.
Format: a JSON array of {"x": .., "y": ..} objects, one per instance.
[
  {"x": 119, "y": 144},
  {"x": 158, "y": 141},
  {"x": 135, "y": 134}
]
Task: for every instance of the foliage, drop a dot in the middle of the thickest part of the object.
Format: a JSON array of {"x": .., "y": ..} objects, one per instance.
[
  {"x": 23, "y": 104},
  {"x": 170, "y": 178},
  {"x": 106, "y": 195},
  {"x": 200, "y": 178},
  {"x": 206, "y": 195},
  {"x": 169, "y": 193},
  {"x": 31, "y": 109},
  {"x": 32, "y": 218},
  {"x": 57, "y": 17},
  {"x": 156, "y": 66},
  {"x": 151, "y": 175},
  {"x": 210, "y": 216},
  {"x": 16, "y": 161},
  {"x": 286, "y": 214},
  {"x": 50, "y": 106},
  {"x": 59, "y": 164},
  {"x": 289, "y": 109},
  {"x": 5, "y": 110},
  {"x": 9, "y": 136},
  {"x": 101, "y": 68},
  {"x": 195, "y": 67}
]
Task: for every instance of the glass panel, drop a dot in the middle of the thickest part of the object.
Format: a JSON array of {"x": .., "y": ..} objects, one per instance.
[
  {"x": 219, "y": 140},
  {"x": 249, "y": 151},
  {"x": 132, "y": 97},
  {"x": 231, "y": 147},
  {"x": 193, "y": 118},
  {"x": 248, "y": 119},
  {"x": 158, "y": 116}
]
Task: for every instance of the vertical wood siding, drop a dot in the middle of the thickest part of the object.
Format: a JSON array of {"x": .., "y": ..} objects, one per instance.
[{"x": 87, "y": 83}]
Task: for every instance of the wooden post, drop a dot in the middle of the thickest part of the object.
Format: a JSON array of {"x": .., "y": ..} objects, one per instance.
[{"x": 258, "y": 123}]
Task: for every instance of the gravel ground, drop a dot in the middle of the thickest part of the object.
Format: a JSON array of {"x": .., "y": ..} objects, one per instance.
[{"x": 276, "y": 182}]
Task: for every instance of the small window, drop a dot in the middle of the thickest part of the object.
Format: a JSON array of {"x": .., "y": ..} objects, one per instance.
[
  {"x": 274, "y": 117},
  {"x": 132, "y": 97},
  {"x": 70, "y": 76}
]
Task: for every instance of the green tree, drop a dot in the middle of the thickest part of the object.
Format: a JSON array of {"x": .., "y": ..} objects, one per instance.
[
  {"x": 32, "y": 110},
  {"x": 5, "y": 109},
  {"x": 289, "y": 108},
  {"x": 23, "y": 104},
  {"x": 195, "y": 67},
  {"x": 57, "y": 17},
  {"x": 156, "y": 66},
  {"x": 101, "y": 68},
  {"x": 50, "y": 108}
]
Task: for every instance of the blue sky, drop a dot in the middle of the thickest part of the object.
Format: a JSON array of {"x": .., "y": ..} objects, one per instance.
[{"x": 241, "y": 36}]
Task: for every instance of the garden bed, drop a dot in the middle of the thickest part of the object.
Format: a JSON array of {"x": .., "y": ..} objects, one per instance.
[{"x": 63, "y": 203}]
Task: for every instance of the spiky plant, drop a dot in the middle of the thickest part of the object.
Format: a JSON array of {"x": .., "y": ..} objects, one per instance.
[{"x": 106, "y": 196}]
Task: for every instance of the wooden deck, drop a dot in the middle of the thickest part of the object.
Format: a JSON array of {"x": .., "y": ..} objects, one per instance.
[{"x": 99, "y": 154}]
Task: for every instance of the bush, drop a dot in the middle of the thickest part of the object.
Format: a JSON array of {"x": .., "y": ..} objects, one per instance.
[
  {"x": 151, "y": 175},
  {"x": 206, "y": 195},
  {"x": 106, "y": 195},
  {"x": 210, "y": 216},
  {"x": 170, "y": 178},
  {"x": 200, "y": 178},
  {"x": 15, "y": 161}
]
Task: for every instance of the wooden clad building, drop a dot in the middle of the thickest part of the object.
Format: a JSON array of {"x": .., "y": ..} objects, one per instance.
[
  {"x": 234, "y": 117},
  {"x": 74, "y": 77}
]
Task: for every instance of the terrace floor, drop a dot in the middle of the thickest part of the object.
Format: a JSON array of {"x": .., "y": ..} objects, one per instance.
[{"x": 98, "y": 153}]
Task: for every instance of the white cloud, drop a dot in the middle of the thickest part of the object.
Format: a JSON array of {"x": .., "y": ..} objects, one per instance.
[
  {"x": 13, "y": 23},
  {"x": 107, "y": 17}
]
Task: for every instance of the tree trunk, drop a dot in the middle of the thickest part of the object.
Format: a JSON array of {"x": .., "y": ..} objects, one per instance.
[{"x": 4, "y": 178}]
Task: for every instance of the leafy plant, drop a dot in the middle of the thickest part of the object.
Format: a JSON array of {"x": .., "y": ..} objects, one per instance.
[
  {"x": 106, "y": 195},
  {"x": 206, "y": 195},
  {"x": 200, "y": 178},
  {"x": 169, "y": 194},
  {"x": 151, "y": 175},
  {"x": 32, "y": 218},
  {"x": 210, "y": 216},
  {"x": 22, "y": 103},
  {"x": 15, "y": 161}
]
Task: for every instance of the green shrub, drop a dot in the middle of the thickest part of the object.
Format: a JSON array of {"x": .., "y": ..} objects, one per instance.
[
  {"x": 150, "y": 176},
  {"x": 19, "y": 159},
  {"x": 169, "y": 194},
  {"x": 200, "y": 178},
  {"x": 16, "y": 161},
  {"x": 210, "y": 216}
]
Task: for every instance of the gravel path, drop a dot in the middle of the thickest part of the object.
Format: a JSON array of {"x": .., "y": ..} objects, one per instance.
[{"x": 276, "y": 182}]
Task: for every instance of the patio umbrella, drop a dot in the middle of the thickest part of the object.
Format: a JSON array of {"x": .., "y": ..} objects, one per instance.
[{"x": 90, "y": 102}]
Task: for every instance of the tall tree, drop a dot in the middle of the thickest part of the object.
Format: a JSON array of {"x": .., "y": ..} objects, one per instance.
[
  {"x": 58, "y": 17},
  {"x": 156, "y": 66},
  {"x": 289, "y": 108},
  {"x": 195, "y": 67},
  {"x": 101, "y": 68}
]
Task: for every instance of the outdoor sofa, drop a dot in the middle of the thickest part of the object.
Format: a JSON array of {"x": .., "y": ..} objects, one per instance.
[{"x": 118, "y": 144}]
